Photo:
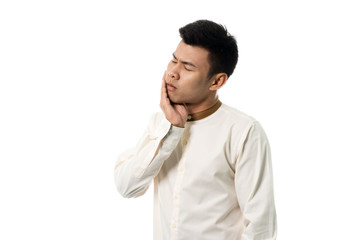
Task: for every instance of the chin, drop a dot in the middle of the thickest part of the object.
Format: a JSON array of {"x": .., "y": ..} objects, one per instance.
[{"x": 175, "y": 100}]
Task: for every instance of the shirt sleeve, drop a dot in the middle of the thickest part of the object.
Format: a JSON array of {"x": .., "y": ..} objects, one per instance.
[
  {"x": 136, "y": 168},
  {"x": 254, "y": 186}
]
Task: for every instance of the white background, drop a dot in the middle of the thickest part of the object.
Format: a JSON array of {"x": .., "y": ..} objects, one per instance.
[{"x": 80, "y": 79}]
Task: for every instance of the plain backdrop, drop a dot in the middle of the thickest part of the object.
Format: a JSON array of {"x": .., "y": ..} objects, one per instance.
[{"x": 80, "y": 80}]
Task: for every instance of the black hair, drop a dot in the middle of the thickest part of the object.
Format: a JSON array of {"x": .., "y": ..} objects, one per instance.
[{"x": 222, "y": 47}]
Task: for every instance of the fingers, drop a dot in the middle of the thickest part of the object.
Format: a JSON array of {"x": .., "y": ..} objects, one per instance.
[
  {"x": 175, "y": 113},
  {"x": 186, "y": 108},
  {"x": 163, "y": 90},
  {"x": 164, "y": 100},
  {"x": 163, "y": 86}
]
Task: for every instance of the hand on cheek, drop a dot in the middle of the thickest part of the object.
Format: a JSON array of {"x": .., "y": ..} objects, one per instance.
[{"x": 176, "y": 114}]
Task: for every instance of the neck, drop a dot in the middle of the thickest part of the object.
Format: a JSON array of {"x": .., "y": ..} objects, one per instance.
[{"x": 208, "y": 103}]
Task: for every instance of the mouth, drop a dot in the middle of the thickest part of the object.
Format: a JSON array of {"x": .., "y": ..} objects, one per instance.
[{"x": 170, "y": 87}]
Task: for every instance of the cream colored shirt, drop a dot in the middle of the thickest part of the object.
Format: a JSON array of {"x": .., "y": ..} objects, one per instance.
[{"x": 212, "y": 179}]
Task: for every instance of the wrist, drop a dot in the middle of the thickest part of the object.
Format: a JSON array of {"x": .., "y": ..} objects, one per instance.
[{"x": 178, "y": 125}]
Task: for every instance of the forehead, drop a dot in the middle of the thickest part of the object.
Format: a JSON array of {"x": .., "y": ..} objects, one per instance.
[{"x": 196, "y": 55}]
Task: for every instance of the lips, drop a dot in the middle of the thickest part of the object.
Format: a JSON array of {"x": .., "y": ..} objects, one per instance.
[{"x": 170, "y": 87}]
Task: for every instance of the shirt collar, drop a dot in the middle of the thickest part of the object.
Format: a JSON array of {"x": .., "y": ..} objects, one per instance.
[{"x": 205, "y": 113}]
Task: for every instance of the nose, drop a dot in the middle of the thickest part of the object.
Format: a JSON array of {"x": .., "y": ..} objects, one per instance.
[{"x": 173, "y": 75}]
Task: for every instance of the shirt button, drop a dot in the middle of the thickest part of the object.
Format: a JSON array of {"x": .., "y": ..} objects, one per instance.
[
  {"x": 184, "y": 142},
  {"x": 181, "y": 169},
  {"x": 176, "y": 197},
  {"x": 174, "y": 225}
]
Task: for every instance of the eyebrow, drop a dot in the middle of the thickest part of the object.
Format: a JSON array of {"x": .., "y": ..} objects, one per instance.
[{"x": 185, "y": 62}]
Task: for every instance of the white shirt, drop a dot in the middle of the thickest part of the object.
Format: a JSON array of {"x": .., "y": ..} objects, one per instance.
[{"x": 212, "y": 179}]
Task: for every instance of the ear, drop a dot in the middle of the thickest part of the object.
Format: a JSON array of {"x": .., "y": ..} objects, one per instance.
[{"x": 218, "y": 81}]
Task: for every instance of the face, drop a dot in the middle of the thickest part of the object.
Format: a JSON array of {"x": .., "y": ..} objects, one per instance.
[{"x": 187, "y": 75}]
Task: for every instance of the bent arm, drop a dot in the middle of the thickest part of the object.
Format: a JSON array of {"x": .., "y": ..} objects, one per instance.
[
  {"x": 136, "y": 168},
  {"x": 254, "y": 186}
]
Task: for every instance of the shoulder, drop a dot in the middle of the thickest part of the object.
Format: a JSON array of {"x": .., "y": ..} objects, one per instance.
[
  {"x": 234, "y": 116},
  {"x": 240, "y": 122},
  {"x": 245, "y": 129}
]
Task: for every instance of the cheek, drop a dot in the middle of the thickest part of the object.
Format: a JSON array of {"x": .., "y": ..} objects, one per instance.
[{"x": 194, "y": 84}]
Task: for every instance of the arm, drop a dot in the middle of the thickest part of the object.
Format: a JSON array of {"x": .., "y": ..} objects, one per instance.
[
  {"x": 136, "y": 168},
  {"x": 254, "y": 186}
]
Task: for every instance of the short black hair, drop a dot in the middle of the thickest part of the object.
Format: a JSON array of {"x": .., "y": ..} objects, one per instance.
[{"x": 222, "y": 47}]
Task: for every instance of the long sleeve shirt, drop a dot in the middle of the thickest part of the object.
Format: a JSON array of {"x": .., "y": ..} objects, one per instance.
[{"x": 212, "y": 179}]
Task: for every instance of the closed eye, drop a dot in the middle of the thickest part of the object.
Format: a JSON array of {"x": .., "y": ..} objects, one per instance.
[{"x": 186, "y": 64}]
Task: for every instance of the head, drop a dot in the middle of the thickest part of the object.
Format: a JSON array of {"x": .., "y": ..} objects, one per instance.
[
  {"x": 203, "y": 61},
  {"x": 222, "y": 47}
]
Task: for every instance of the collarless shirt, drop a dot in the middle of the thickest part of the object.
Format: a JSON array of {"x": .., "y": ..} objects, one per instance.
[{"x": 212, "y": 178}]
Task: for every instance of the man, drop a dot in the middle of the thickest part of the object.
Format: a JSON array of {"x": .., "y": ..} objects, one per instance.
[{"x": 210, "y": 163}]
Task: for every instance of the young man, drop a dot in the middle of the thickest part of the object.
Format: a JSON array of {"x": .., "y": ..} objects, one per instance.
[{"x": 210, "y": 163}]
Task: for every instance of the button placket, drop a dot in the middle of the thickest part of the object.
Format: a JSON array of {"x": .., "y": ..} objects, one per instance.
[
  {"x": 177, "y": 187},
  {"x": 176, "y": 197}
]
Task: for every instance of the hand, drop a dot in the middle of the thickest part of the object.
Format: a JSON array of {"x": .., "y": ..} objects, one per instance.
[{"x": 176, "y": 114}]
